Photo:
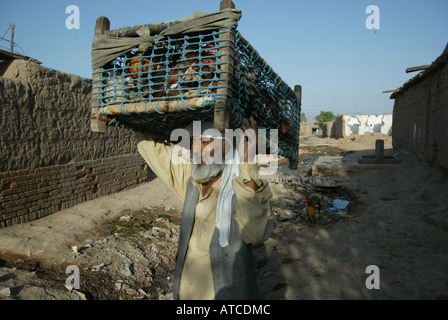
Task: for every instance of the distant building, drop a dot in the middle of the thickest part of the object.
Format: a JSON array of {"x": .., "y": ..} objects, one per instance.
[
  {"x": 309, "y": 128},
  {"x": 346, "y": 125}
]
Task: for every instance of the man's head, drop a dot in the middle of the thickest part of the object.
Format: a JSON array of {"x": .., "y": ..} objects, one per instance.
[{"x": 208, "y": 151}]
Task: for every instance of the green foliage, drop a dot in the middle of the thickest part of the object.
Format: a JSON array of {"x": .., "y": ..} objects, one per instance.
[
  {"x": 303, "y": 117},
  {"x": 325, "y": 116}
]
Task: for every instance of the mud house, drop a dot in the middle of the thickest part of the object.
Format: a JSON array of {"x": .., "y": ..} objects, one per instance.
[
  {"x": 309, "y": 128},
  {"x": 421, "y": 114}
]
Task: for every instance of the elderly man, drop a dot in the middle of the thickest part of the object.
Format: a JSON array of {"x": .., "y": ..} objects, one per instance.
[{"x": 226, "y": 210}]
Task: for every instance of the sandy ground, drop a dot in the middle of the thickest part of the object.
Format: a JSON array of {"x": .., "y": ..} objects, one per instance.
[{"x": 397, "y": 221}]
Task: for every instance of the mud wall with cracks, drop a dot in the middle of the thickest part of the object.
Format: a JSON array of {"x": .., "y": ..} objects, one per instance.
[
  {"x": 50, "y": 159},
  {"x": 421, "y": 116}
]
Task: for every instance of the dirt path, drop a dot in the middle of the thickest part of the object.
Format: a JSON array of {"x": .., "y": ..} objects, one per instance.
[
  {"x": 395, "y": 221},
  {"x": 126, "y": 243}
]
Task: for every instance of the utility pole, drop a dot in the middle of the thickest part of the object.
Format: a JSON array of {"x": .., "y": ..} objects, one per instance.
[{"x": 11, "y": 28}]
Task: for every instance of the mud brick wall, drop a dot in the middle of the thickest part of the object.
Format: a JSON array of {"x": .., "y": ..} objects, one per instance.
[
  {"x": 50, "y": 160},
  {"x": 30, "y": 194},
  {"x": 421, "y": 118}
]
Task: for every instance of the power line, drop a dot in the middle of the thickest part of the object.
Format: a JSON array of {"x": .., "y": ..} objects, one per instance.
[
  {"x": 5, "y": 33},
  {"x": 14, "y": 44}
]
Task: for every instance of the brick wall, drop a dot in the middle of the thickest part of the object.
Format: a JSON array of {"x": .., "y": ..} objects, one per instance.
[
  {"x": 50, "y": 160},
  {"x": 29, "y": 194}
]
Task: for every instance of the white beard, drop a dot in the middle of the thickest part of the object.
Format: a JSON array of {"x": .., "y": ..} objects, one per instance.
[{"x": 203, "y": 173}]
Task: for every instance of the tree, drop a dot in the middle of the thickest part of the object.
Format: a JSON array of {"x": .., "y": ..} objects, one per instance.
[
  {"x": 303, "y": 117},
  {"x": 325, "y": 116}
]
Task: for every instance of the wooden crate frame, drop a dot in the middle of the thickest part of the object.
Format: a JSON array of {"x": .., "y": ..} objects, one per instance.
[{"x": 222, "y": 117}]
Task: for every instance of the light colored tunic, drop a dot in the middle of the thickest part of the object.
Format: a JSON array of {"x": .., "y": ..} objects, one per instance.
[{"x": 252, "y": 214}]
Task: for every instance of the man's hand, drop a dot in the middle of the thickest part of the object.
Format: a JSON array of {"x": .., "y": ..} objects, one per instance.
[
  {"x": 248, "y": 147},
  {"x": 248, "y": 141}
]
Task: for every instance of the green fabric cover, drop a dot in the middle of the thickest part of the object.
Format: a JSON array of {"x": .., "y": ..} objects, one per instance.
[{"x": 106, "y": 48}]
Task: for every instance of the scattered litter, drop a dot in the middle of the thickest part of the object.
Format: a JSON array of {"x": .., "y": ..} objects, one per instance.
[
  {"x": 127, "y": 270},
  {"x": 6, "y": 292},
  {"x": 141, "y": 291},
  {"x": 118, "y": 285},
  {"x": 127, "y": 253},
  {"x": 168, "y": 296},
  {"x": 125, "y": 218},
  {"x": 97, "y": 267},
  {"x": 81, "y": 295},
  {"x": 169, "y": 208}
]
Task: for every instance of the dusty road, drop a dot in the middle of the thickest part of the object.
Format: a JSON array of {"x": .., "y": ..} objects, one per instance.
[{"x": 396, "y": 220}]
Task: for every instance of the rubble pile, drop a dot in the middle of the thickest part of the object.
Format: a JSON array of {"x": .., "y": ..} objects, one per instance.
[{"x": 136, "y": 252}]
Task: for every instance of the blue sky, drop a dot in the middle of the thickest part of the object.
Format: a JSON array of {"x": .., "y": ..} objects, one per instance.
[{"x": 323, "y": 45}]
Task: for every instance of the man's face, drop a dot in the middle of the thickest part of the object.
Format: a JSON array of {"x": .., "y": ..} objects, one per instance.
[
  {"x": 208, "y": 158},
  {"x": 207, "y": 151}
]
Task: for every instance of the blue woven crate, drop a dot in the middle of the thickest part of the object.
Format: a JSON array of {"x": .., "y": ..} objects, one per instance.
[{"x": 186, "y": 74}]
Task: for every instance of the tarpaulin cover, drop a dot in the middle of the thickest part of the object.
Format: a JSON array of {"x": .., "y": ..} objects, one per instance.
[{"x": 106, "y": 48}]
